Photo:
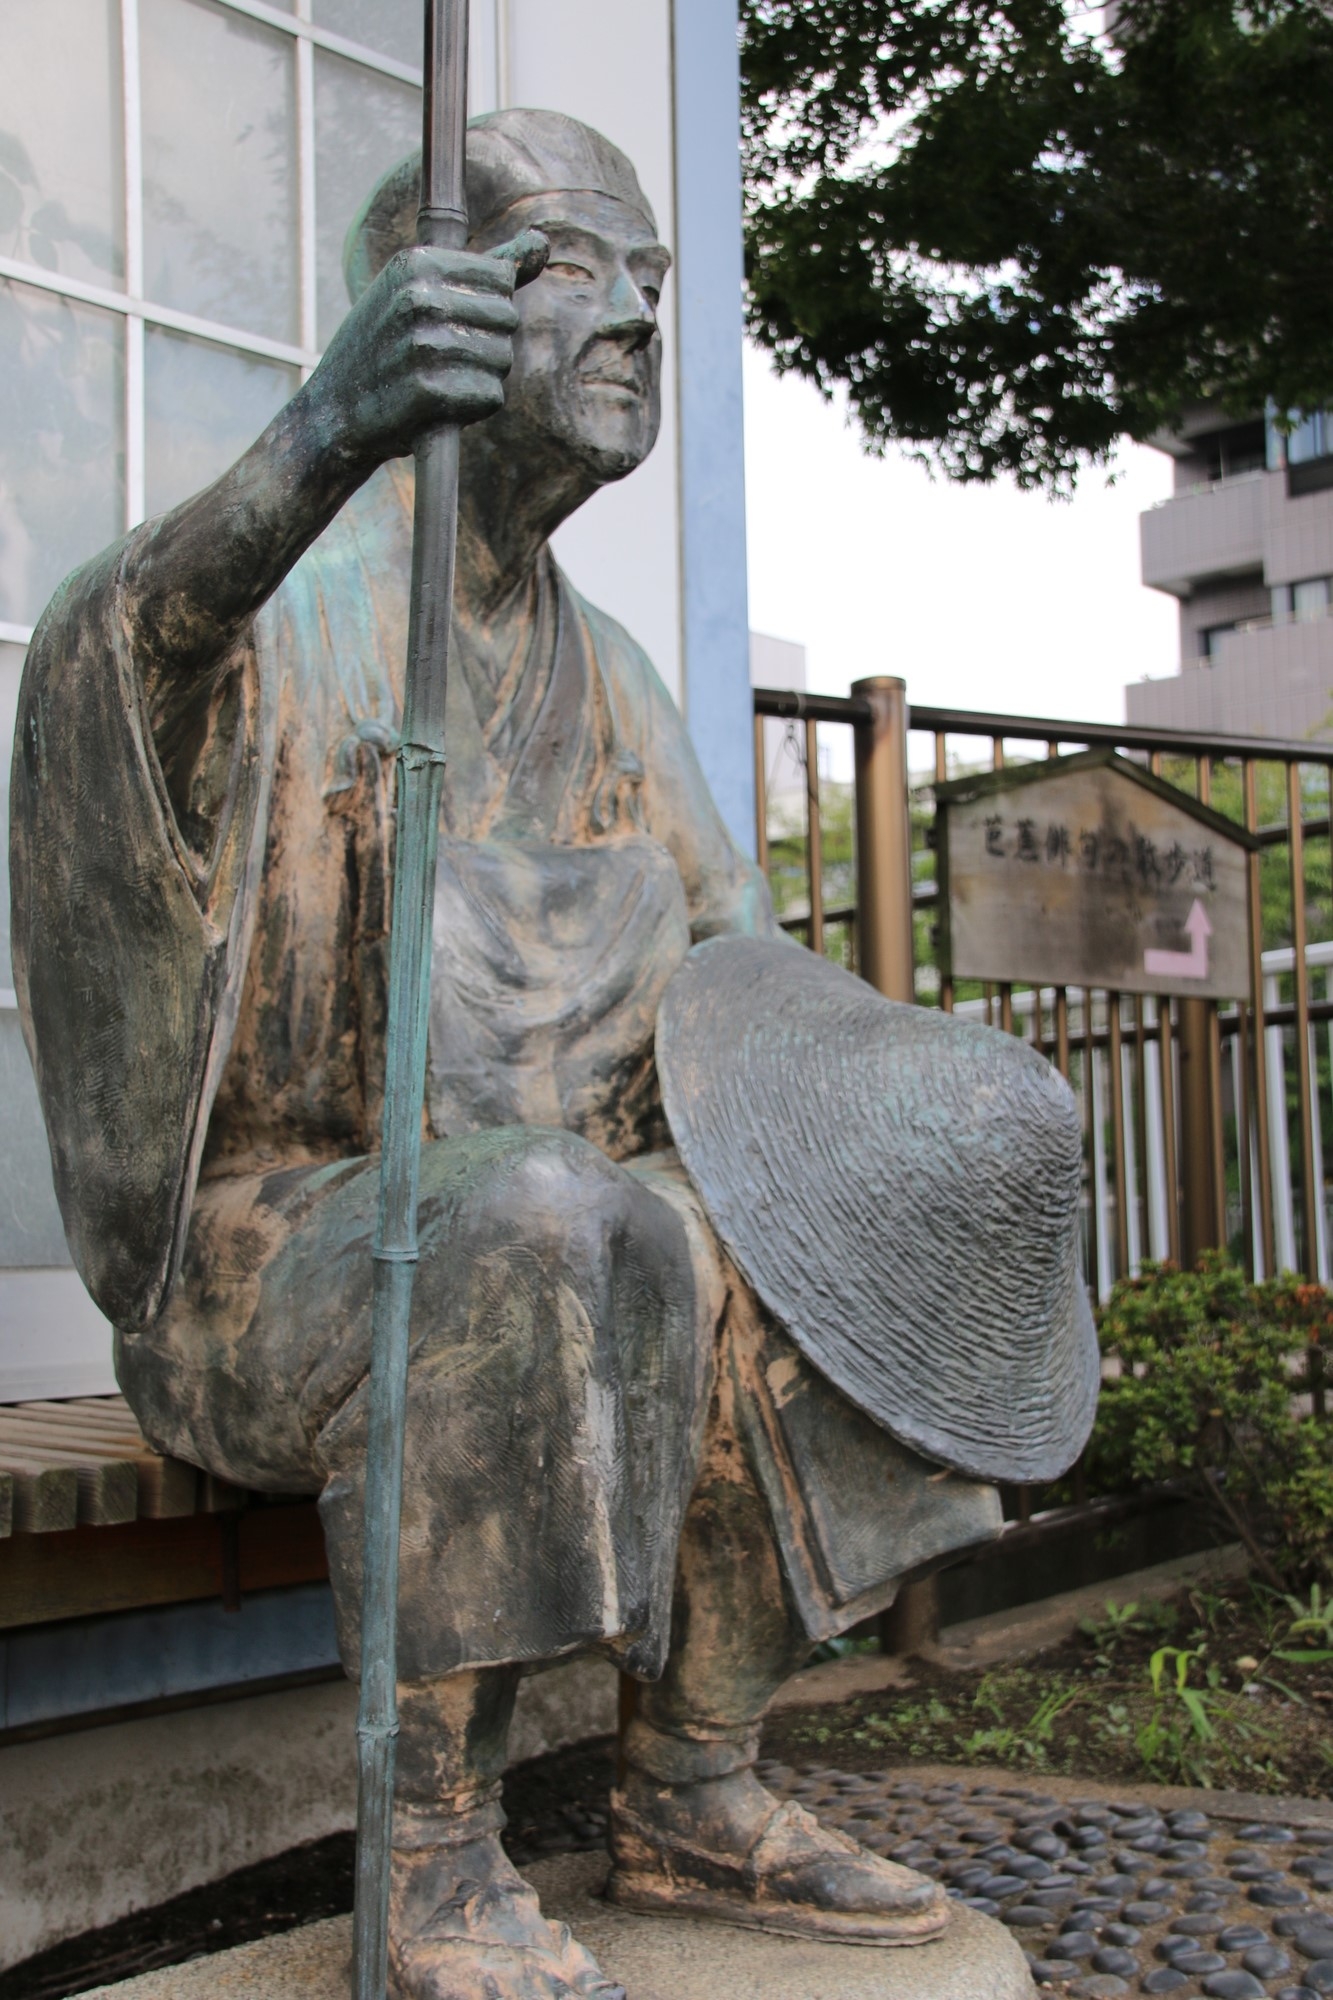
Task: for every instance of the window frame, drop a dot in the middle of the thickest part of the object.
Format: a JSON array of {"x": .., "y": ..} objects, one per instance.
[{"x": 131, "y": 304}]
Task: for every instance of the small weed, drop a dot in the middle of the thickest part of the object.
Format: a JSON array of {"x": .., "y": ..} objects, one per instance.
[
  {"x": 1213, "y": 1609},
  {"x": 1312, "y": 1621},
  {"x": 1192, "y": 1700},
  {"x": 1115, "y": 1621},
  {"x": 1126, "y": 1622},
  {"x": 1195, "y": 1693}
]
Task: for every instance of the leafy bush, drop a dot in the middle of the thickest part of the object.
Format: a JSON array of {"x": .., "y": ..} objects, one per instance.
[{"x": 1207, "y": 1383}]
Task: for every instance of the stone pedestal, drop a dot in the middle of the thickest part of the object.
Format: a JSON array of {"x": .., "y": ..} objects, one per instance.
[{"x": 655, "y": 1958}]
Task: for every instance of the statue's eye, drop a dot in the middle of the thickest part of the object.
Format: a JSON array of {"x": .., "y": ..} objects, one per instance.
[{"x": 561, "y": 267}]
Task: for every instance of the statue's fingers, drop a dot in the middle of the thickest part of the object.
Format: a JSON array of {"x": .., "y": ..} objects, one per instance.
[{"x": 527, "y": 253}]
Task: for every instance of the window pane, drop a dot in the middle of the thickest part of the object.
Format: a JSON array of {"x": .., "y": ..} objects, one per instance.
[
  {"x": 1310, "y": 599},
  {"x": 392, "y": 27},
  {"x": 364, "y": 124},
  {"x": 203, "y": 405},
  {"x": 61, "y": 192},
  {"x": 30, "y": 1228},
  {"x": 1306, "y": 441},
  {"x": 220, "y": 181},
  {"x": 62, "y": 452},
  {"x": 31, "y": 1232}
]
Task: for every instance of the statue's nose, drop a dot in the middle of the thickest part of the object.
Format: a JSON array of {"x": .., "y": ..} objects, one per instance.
[{"x": 629, "y": 313}]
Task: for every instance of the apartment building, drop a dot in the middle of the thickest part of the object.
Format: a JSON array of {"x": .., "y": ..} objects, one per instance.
[{"x": 1245, "y": 544}]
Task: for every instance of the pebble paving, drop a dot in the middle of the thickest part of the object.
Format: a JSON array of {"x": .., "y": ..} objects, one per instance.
[{"x": 1105, "y": 1898}]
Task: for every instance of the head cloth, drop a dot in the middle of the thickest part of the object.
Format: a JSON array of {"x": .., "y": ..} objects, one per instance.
[{"x": 510, "y": 156}]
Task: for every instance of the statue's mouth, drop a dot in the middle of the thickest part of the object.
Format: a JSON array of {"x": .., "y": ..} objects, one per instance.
[{"x": 615, "y": 385}]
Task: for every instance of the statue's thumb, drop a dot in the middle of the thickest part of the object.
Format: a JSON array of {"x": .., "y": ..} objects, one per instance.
[{"x": 527, "y": 253}]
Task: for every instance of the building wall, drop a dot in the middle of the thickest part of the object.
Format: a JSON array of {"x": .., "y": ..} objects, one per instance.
[
  {"x": 1298, "y": 533},
  {"x": 1276, "y": 681}
]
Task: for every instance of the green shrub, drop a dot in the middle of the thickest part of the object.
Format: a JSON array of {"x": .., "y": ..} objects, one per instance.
[{"x": 1206, "y": 1383}]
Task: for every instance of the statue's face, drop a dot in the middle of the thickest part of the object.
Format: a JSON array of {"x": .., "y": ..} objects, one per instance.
[{"x": 586, "y": 380}]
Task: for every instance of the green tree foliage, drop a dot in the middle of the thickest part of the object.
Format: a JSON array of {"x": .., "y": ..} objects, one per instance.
[
  {"x": 1206, "y": 1384},
  {"x": 1012, "y": 240}
]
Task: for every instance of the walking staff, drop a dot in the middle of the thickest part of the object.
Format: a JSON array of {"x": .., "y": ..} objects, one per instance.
[{"x": 441, "y": 224}]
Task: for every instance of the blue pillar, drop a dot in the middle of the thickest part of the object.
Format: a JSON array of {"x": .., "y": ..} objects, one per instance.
[{"x": 715, "y": 611}]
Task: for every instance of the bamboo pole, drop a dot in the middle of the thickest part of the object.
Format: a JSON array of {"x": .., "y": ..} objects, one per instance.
[{"x": 441, "y": 223}]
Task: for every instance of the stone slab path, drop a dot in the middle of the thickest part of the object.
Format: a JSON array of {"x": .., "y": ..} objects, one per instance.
[{"x": 1111, "y": 1894}]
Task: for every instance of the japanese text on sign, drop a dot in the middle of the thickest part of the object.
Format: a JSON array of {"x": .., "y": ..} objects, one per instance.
[{"x": 1093, "y": 850}]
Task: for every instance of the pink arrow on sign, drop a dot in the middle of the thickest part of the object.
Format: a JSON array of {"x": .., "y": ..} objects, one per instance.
[{"x": 1191, "y": 964}]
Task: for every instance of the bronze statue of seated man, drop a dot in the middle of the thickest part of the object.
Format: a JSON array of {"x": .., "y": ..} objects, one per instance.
[{"x": 740, "y": 1287}]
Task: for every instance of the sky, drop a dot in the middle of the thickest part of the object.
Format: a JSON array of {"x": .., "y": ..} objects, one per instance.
[{"x": 980, "y": 597}]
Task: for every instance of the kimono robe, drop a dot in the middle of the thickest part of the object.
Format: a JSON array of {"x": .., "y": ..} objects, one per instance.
[{"x": 201, "y": 884}]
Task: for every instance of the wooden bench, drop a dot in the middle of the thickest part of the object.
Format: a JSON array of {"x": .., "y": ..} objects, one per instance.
[{"x": 92, "y": 1519}]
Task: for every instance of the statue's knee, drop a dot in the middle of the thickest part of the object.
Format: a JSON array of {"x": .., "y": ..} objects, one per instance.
[{"x": 556, "y": 1193}]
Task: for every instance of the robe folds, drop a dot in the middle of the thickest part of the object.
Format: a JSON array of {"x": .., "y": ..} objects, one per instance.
[{"x": 201, "y": 873}]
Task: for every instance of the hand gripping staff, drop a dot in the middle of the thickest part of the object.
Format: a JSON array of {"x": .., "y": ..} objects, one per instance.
[{"x": 441, "y": 223}]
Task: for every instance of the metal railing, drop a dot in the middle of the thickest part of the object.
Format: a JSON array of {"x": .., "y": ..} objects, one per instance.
[
  {"x": 1196, "y": 486},
  {"x": 1204, "y": 1124}
]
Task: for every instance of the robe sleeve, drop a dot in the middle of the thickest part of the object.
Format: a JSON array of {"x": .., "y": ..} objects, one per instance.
[
  {"x": 135, "y": 848},
  {"x": 726, "y": 893}
]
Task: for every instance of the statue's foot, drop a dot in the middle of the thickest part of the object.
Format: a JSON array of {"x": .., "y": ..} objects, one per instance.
[
  {"x": 726, "y": 1848},
  {"x": 464, "y": 1925}
]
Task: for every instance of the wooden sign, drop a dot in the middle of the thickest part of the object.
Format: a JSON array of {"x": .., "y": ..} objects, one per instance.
[{"x": 1089, "y": 871}]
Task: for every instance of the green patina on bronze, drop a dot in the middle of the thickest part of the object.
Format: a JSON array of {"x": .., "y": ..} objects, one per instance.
[{"x": 622, "y": 1430}]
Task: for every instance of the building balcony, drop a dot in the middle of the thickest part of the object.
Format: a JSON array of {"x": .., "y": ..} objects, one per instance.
[
  {"x": 1212, "y": 531},
  {"x": 1265, "y": 680}
]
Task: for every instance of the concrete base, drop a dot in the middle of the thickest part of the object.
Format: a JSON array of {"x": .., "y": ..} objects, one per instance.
[
  {"x": 656, "y": 1958},
  {"x": 96, "y": 1825}
]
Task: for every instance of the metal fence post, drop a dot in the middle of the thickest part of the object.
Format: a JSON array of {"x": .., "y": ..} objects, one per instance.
[
  {"x": 883, "y": 840},
  {"x": 884, "y": 934},
  {"x": 1202, "y": 1227}
]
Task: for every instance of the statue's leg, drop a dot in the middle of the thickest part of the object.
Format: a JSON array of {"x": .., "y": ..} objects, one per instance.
[
  {"x": 464, "y": 1925},
  {"x": 692, "y": 1828},
  {"x": 562, "y": 1360}
]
